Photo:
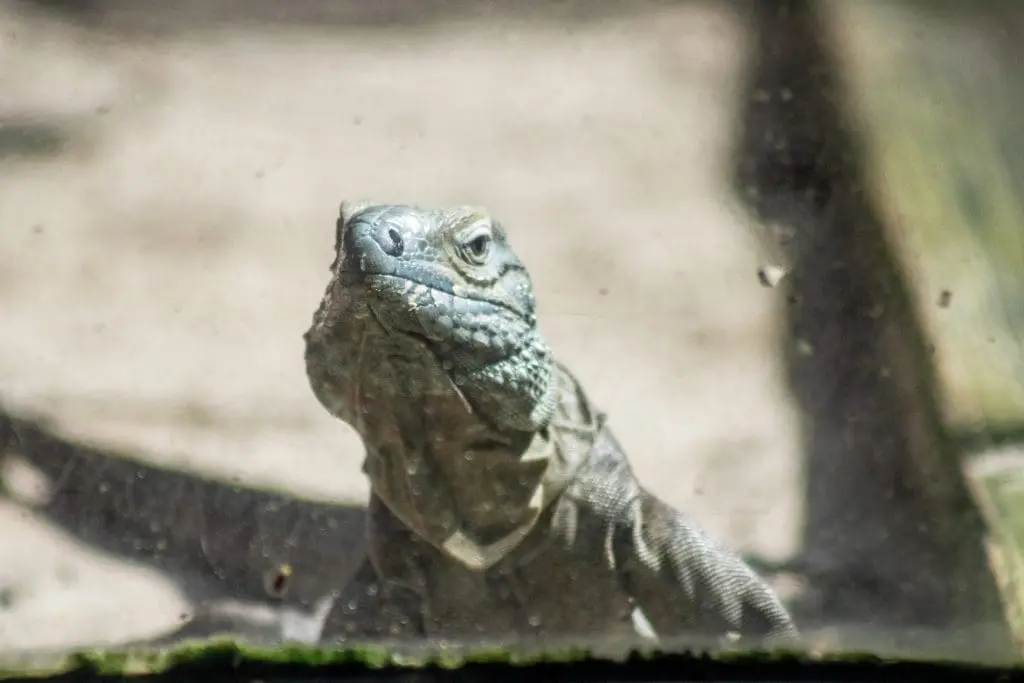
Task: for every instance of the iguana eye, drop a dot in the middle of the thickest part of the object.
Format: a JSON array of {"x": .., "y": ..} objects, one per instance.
[{"x": 477, "y": 248}]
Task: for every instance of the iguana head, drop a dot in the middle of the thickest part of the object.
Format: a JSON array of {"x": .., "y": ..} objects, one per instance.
[{"x": 442, "y": 287}]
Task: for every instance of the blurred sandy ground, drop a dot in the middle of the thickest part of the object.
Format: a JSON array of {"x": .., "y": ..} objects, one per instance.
[{"x": 168, "y": 194}]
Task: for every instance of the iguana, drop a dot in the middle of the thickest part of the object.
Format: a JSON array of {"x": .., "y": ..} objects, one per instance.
[{"x": 501, "y": 504}]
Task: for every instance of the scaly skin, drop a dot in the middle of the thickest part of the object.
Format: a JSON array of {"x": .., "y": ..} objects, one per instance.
[{"x": 501, "y": 504}]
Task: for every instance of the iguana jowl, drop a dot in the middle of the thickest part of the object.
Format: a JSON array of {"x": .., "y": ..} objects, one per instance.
[{"x": 501, "y": 504}]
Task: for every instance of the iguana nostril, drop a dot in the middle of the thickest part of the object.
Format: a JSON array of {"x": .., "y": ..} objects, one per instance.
[{"x": 390, "y": 240}]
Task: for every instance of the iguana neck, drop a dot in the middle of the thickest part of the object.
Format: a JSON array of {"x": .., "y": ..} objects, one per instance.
[{"x": 449, "y": 474}]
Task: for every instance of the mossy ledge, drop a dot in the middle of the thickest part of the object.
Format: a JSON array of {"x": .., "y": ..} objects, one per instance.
[{"x": 228, "y": 659}]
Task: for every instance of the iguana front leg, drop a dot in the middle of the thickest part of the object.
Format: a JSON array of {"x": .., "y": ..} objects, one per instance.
[
  {"x": 376, "y": 604},
  {"x": 684, "y": 582}
]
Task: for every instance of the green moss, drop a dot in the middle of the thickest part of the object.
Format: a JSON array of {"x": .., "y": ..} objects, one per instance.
[
  {"x": 226, "y": 655},
  {"x": 221, "y": 656},
  {"x": 229, "y": 654}
]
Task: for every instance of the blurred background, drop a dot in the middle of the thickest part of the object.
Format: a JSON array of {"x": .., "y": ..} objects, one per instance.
[{"x": 779, "y": 242}]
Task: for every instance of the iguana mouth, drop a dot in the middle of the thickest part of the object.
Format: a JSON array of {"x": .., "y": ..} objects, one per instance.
[{"x": 381, "y": 281}]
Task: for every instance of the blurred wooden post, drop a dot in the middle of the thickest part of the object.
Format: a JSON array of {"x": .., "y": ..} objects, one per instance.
[
  {"x": 893, "y": 539},
  {"x": 937, "y": 93}
]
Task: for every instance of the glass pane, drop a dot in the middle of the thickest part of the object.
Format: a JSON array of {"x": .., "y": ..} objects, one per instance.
[{"x": 774, "y": 247}]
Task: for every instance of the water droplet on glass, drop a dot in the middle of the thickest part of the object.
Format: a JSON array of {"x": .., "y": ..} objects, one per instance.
[
  {"x": 770, "y": 276},
  {"x": 277, "y": 580}
]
